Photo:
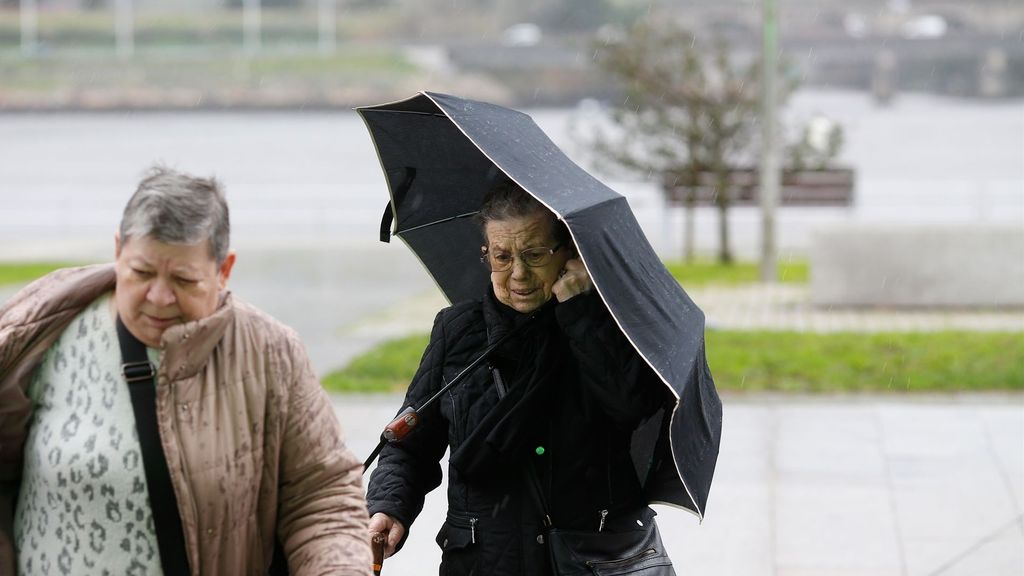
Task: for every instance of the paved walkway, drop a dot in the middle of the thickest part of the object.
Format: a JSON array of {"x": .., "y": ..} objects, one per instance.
[
  {"x": 824, "y": 486},
  {"x": 811, "y": 486},
  {"x": 788, "y": 307}
]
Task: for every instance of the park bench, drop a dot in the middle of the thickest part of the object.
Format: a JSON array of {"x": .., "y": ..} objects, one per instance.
[{"x": 825, "y": 188}]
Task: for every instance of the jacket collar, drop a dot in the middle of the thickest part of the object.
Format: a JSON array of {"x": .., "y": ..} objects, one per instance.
[
  {"x": 187, "y": 347},
  {"x": 500, "y": 319}
]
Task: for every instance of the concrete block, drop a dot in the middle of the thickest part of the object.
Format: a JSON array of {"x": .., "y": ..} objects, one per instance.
[{"x": 902, "y": 265}]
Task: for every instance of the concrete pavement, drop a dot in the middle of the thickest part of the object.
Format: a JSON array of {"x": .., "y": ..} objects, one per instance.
[
  {"x": 831, "y": 486},
  {"x": 893, "y": 485},
  {"x": 824, "y": 486}
]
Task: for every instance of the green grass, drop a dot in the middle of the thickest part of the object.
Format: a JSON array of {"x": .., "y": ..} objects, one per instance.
[
  {"x": 19, "y": 273},
  {"x": 210, "y": 71},
  {"x": 851, "y": 362},
  {"x": 788, "y": 361},
  {"x": 72, "y": 28},
  {"x": 197, "y": 59},
  {"x": 782, "y": 361},
  {"x": 704, "y": 272},
  {"x": 386, "y": 368}
]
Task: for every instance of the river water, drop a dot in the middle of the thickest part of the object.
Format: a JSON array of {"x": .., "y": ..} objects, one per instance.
[
  {"x": 312, "y": 179},
  {"x": 307, "y": 193}
]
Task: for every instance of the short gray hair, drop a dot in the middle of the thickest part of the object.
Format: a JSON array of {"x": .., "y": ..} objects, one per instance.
[
  {"x": 177, "y": 208},
  {"x": 505, "y": 200}
]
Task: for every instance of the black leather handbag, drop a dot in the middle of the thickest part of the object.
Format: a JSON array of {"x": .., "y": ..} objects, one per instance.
[
  {"x": 634, "y": 551},
  {"x": 637, "y": 552}
]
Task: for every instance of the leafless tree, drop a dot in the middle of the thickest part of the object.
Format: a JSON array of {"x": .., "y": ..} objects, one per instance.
[{"x": 688, "y": 110}]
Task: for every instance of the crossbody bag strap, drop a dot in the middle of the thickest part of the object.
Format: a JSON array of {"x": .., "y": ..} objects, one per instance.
[
  {"x": 533, "y": 484},
  {"x": 529, "y": 471},
  {"x": 140, "y": 375}
]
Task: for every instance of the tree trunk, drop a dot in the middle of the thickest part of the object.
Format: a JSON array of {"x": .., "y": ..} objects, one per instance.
[
  {"x": 690, "y": 225},
  {"x": 689, "y": 238},
  {"x": 723, "y": 201}
]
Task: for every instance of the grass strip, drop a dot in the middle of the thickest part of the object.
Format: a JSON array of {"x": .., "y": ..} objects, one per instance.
[
  {"x": 757, "y": 361},
  {"x": 386, "y": 368},
  {"x": 955, "y": 361},
  {"x": 704, "y": 272},
  {"x": 21, "y": 272}
]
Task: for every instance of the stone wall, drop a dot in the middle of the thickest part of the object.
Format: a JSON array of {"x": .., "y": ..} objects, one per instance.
[{"x": 903, "y": 265}]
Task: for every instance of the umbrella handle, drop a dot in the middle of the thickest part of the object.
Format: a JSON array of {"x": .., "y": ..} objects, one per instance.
[
  {"x": 400, "y": 427},
  {"x": 395, "y": 431},
  {"x": 409, "y": 418}
]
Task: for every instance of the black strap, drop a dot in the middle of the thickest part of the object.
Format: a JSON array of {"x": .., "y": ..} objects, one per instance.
[
  {"x": 533, "y": 482},
  {"x": 389, "y": 214},
  {"x": 529, "y": 471},
  {"x": 139, "y": 374}
]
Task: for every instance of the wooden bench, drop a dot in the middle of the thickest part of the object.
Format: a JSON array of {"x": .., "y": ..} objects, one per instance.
[{"x": 829, "y": 187}]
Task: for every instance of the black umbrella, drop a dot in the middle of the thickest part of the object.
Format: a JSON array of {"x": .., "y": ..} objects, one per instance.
[{"x": 439, "y": 155}]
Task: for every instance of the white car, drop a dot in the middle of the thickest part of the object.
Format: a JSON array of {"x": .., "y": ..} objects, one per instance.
[{"x": 523, "y": 34}]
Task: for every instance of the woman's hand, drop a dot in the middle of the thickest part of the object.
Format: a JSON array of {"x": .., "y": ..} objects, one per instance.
[
  {"x": 574, "y": 280},
  {"x": 392, "y": 529}
]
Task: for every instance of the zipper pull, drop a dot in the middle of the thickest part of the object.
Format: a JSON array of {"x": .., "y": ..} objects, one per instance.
[
  {"x": 472, "y": 530},
  {"x": 604, "y": 514}
]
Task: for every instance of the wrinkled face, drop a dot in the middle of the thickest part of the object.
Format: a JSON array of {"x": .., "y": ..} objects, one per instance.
[
  {"x": 521, "y": 287},
  {"x": 160, "y": 285}
]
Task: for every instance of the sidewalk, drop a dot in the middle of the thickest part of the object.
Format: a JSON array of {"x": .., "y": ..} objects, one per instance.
[
  {"x": 811, "y": 485},
  {"x": 824, "y": 486}
]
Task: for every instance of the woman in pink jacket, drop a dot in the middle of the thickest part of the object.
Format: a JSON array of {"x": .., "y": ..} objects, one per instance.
[{"x": 252, "y": 452}]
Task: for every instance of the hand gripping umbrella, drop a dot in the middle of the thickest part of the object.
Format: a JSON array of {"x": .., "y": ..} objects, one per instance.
[{"x": 440, "y": 153}]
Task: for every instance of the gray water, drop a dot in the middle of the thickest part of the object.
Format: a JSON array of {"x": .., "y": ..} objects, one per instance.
[
  {"x": 307, "y": 193},
  {"x": 312, "y": 179}
]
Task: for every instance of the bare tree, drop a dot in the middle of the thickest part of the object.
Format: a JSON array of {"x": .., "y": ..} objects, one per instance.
[{"x": 688, "y": 111}]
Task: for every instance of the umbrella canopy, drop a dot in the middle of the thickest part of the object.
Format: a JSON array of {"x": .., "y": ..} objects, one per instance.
[{"x": 440, "y": 153}]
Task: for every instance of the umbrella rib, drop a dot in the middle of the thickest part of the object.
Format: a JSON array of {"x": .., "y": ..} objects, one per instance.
[
  {"x": 413, "y": 112},
  {"x": 441, "y": 221}
]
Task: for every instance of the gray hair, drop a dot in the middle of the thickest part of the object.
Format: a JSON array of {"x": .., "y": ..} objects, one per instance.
[
  {"x": 505, "y": 200},
  {"x": 176, "y": 208}
]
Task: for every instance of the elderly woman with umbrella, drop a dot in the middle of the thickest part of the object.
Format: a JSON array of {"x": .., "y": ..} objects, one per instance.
[
  {"x": 596, "y": 398},
  {"x": 561, "y": 401}
]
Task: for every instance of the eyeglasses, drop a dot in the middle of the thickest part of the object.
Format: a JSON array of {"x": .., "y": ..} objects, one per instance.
[{"x": 502, "y": 261}]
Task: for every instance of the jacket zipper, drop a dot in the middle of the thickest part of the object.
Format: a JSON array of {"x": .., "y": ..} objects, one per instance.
[
  {"x": 460, "y": 521},
  {"x": 455, "y": 413},
  {"x": 604, "y": 514},
  {"x": 630, "y": 560}
]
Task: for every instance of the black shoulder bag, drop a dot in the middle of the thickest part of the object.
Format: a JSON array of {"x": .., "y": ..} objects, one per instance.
[
  {"x": 139, "y": 373},
  {"x": 170, "y": 537},
  {"x": 637, "y": 551}
]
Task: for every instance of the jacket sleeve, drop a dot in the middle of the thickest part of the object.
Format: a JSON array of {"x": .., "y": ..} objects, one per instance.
[
  {"x": 322, "y": 519},
  {"x": 409, "y": 469},
  {"x": 623, "y": 385}
]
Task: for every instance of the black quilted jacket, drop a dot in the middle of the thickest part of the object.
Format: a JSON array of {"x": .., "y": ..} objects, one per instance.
[{"x": 579, "y": 442}]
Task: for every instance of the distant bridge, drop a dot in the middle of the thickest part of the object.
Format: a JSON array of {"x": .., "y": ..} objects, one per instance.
[{"x": 971, "y": 65}]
